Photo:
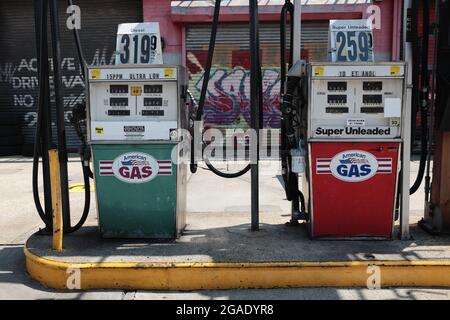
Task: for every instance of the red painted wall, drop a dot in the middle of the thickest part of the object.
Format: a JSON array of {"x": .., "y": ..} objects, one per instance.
[
  {"x": 383, "y": 36},
  {"x": 159, "y": 11},
  {"x": 172, "y": 32}
]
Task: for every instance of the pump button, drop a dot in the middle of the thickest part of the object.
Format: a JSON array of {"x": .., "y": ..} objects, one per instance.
[{"x": 136, "y": 91}]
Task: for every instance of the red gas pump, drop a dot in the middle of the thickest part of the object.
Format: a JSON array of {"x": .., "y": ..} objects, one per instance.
[{"x": 354, "y": 137}]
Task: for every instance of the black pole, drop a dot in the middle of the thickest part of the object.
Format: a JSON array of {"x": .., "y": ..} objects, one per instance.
[
  {"x": 255, "y": 103},
  {"x": 60, "y": 119}
]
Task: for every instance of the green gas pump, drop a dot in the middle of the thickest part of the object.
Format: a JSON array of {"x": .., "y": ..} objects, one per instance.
[{"x": 135, "y": 116}]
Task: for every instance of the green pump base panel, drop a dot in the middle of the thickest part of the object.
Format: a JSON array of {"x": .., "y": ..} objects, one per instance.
[{"x": 141, "y": 192}]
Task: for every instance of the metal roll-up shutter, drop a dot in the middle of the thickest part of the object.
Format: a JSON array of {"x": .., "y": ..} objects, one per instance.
[
  {"x": 18, "y": 66},
  {"x": 227, "y": 104}
]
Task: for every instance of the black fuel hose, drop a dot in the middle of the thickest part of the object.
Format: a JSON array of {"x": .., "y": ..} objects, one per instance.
[
  {"x": 287, "y": 89},
  {"x": 43, "y": 82},
  {"x": 43, "y": 94},
  {"x": 76, "y": 35},
  {"x": 288, "y": 8},
  {"x": 415, "y": 74},
  {"x": 423, "y": 97},
  {"x": 87, "y": 173},
  {"x": 291, "y": 183},
  {"x": 199, "y": 111},
  {"x": 226, "y": 175}
]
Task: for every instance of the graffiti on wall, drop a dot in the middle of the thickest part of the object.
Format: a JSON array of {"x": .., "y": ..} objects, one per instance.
[
  {"x": 20, "y": 78},
  {"x": 227, "y": 101}
]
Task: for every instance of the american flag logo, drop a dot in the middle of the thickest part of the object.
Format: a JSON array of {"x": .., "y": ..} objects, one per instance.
[
  {"x": 323, "y": 165},
  {"x": 106, "y": 166},
  {"x": 384, "y": 165},
  {"x": 353, "y": 160},
  {"x": 165, "y": 167}
]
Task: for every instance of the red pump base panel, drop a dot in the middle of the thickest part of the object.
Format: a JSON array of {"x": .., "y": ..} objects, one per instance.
[{"x": 353, "y": 188}]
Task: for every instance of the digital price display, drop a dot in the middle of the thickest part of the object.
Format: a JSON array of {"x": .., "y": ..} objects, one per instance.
[
  {"x": 118, "y": 88},
  {"x": 118, "y": 102},
  {"x": 154, "y": 88},
  {"x": 152, "y": 102}
]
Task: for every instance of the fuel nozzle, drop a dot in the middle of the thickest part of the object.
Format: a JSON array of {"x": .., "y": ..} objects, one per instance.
[
  {"x": 78, "y": 113},
  {"x": 287, "y": 104},
  {"x": 289, "y": 112}
]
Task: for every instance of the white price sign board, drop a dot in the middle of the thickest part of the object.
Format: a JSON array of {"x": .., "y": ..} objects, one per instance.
[
  {"x": 138, "y": 43},
  {"x": 351, "y": 40}
]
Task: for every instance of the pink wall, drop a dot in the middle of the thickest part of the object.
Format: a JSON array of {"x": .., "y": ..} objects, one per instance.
[
  {"x": 383, "y": 36},
  {"x": 172, "y": 27},
  {"x": 159, "y": 11}
]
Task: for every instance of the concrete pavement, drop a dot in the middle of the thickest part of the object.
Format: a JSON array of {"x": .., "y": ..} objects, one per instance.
[{"x": 18, "y": 220}]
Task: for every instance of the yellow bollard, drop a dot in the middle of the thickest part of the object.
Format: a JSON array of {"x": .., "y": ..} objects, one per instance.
[{"x": 56, "y": 200}]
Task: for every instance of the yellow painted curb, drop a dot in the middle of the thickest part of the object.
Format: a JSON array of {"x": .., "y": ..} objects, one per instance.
[{"x": 195, "y": 276}]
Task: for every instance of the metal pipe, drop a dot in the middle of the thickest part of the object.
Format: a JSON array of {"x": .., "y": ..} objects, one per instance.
[
  {"x": 255, "y": 86},
  {"x": 406, "y": 128},
  {"x": 297, "y": 33},
  {"x": 60, "y": 118}
]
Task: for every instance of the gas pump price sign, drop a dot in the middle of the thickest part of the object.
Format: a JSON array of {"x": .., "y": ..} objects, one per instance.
[
  {"x": 351, "y": 40},
  {"x": 138, "y": 43}
]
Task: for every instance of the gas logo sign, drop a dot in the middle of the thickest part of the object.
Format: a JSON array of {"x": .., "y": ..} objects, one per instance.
[
  {"x": 354, "y": 166},
  {"x": 135, "y": 167}
]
